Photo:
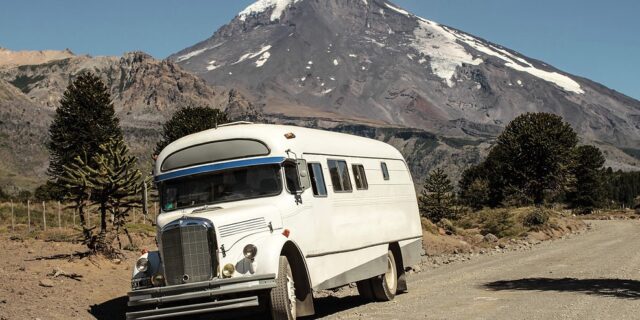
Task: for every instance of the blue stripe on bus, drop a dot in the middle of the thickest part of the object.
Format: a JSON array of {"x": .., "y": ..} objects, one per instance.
[{"x": 218, "y": 167}]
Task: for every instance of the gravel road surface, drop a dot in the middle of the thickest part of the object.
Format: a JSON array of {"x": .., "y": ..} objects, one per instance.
[{"x": 594, "y": 275}]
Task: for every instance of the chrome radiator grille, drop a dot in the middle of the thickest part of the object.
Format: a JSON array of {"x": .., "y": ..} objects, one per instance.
[{"x": 187, "y": 248}]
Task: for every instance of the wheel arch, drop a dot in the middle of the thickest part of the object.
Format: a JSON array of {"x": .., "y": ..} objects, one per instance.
[{"x": 301, "y": 278}]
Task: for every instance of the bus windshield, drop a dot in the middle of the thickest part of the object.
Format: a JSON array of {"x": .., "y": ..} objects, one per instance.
[{"x": 222, "y": 186}]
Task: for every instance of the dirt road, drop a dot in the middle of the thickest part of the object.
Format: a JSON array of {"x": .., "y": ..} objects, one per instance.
[{"x": 595, "y": 275}]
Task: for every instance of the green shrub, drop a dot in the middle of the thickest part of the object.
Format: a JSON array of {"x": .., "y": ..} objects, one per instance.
[
  {"x": 428, "y": 226},
  {"x": 537, "y": 217},
  {"x": 500, "y": 222},
  {"x": 447, "y": 225}
]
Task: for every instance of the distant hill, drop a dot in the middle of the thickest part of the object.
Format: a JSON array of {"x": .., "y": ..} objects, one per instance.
[
  {"x": 145, "y": 91},
  {"x": 20, "y": 58}
]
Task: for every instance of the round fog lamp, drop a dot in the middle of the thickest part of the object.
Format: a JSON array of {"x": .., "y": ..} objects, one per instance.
[
  {"x": 142, "y": 265},
  {"x": 250, "y": 251},
  {"x": 228, "y": 270},
  {"x": 157, "y": 280}
]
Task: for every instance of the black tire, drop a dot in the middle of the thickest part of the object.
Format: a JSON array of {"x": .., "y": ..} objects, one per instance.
[
  {"x": 385, "y": 286},
  {"x": 365, "y": 290},
  {"x": 282, "y": 297}
]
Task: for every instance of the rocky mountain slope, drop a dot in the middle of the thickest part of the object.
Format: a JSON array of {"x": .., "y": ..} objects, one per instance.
[
  {"x": 145, "y": 91},
  {"x": 371, "y": 62}
]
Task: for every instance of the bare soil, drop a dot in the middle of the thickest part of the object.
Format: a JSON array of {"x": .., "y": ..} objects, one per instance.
[{"x": 28, "y": 289}]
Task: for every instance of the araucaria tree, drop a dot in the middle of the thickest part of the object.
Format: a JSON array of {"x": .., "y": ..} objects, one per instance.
[
  {"x": 84, "y": 120},
  {"x": 589, "y": 190},
  {"x": 535, "y": 152},
  {"x": 190, "y": 120},
  {"x": 112, "y": 182},
  {"x": 436, "y": 198},
  {"x": 530, "y": 163}
]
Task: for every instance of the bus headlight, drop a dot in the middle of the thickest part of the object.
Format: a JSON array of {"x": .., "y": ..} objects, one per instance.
[
  {"x": 250, "y": 251},
  {"x": 228, "y": 270},
  {"x": 142, "y": 265}
]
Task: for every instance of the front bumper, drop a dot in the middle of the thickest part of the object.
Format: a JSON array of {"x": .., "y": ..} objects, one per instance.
[{"x": 200, "y": 297}]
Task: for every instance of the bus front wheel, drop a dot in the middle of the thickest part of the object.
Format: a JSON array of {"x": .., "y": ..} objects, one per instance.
[{"x": 283, "y": 297}]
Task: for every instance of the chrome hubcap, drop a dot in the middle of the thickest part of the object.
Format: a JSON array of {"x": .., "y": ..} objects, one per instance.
[
  {"x": 291, "y": 292},
  {"x": 390, "y": 276}
]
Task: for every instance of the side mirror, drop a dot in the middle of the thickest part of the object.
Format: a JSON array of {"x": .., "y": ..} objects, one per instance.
[{"x": 303, "y": 174}]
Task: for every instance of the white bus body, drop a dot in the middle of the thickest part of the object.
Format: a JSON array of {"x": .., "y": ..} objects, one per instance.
[{"x": 236, "y": 199}]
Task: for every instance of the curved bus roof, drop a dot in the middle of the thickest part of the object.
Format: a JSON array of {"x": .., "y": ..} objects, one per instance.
[{"x": 306, "y": 141}]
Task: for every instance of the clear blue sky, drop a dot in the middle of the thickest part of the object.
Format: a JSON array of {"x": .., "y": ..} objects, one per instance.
[{"x": 599, "y": 40}]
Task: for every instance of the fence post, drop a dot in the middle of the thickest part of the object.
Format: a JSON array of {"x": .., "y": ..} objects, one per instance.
[
  {"x": 44, "y": 216},
  {"x": 29, "y": 215},
  {"x": 59, "y": 221},
  {"x": 13, "y": 220},
  {"x": 89, "y": 219}
]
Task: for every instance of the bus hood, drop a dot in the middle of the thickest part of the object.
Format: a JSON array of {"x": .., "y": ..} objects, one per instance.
[{"x": 233, "y": 220}]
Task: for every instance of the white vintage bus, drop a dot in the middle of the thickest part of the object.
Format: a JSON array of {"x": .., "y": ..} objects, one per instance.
[{"x": 257, "y": 215}]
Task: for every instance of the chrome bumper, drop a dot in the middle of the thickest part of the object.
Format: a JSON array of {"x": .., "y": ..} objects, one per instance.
[{"x": 171, "y": 301}]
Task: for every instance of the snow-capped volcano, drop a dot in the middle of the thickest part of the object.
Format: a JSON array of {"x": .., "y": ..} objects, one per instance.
[{"x": 372, "y": 61}]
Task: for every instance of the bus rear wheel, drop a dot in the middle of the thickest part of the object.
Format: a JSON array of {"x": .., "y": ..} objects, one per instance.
[{"x": 382, "y": 287}]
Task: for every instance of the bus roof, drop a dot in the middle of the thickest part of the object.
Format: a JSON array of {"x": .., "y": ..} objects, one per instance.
[{"x": 280, "y": 138}]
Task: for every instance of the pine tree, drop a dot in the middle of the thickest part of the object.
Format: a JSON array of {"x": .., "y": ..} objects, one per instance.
[
  {"x": 589, "y": 190},
  {"x": 534, "y": 155},
  {"x": 436, "y": 198},
  {"x": 84, "y": 121},
  {"x": 190, "y": 120},
  {"x": 111, "y": 181}
]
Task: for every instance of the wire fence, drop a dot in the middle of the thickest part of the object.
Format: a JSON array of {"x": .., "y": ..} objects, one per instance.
[{"x": 29, "y": 216}]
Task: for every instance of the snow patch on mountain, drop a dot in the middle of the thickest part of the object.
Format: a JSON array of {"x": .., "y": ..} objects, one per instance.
[
  {"x": 398, "y": 10},
  {"x": 252, "y": 55},
  {"x": 191, "y": 54},
  {"x": 263, "y": 5},
  {"x": 558, "y": 79},
  {"x": 263, "y": 59},
  {"x": 212, "y": 65},
  {"x": 445, "y": 53}
]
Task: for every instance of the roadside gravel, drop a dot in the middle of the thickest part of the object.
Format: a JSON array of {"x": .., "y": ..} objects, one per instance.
[{"x": 591, "y": 275}]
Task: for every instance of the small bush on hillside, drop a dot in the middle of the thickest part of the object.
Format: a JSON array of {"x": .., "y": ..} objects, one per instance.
[
  {"x": 448, "y": 226},
  {"x": 501, "y": 223},
  {"x": 583, "y": 211},
  {"x": 428, "y": 226},
  {"x": 536, "y": 218}
]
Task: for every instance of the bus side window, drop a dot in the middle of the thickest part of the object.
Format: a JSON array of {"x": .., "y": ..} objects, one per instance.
[
  {"x": 360, "y": 177},
  {"x": 339, "y": 175},
  {"x": 385, "y": 171},
  {"x": 317, "y": 180}
]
